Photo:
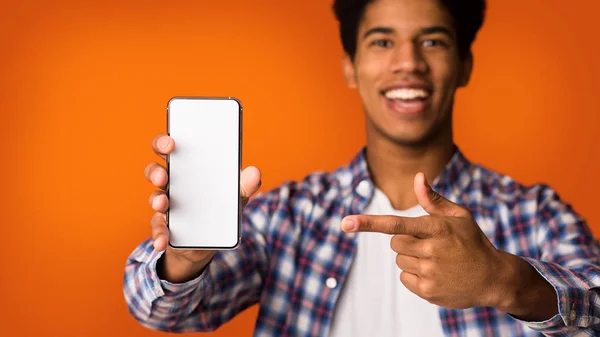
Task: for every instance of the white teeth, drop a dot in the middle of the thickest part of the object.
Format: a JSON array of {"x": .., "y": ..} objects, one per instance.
[{"x": 406, "y": 93}]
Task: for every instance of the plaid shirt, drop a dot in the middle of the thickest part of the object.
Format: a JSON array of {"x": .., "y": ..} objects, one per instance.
[{"x": 293, "y": 258}]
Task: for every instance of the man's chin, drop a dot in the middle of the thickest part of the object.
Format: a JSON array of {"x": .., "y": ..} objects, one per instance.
[
  {"x": 409, "y": 134},
  {"x": 411, "y": 141},
  {"x": 414, "y": 138}
]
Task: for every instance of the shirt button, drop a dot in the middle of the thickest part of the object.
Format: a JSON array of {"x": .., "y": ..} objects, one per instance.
[
  {"x": 363, "y": 188},
  {"x": 331, "y": 283}
]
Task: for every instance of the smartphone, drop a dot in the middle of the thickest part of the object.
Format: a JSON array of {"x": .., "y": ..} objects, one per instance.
[{"x": 204, "y": 172}]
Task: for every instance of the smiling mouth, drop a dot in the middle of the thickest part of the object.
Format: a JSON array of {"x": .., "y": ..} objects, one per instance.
[
  {"x": 407, "y": 101},
  {"x": 407, "y": 94}
]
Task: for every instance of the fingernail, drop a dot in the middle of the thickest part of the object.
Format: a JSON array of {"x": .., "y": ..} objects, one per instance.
[
  {"x": 427, "y": 184},
  {"x": 163, "y": 143},
  {"x": 349, "y": 225}
]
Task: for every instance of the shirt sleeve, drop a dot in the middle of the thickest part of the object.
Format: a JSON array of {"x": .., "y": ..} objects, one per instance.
[
  {"x": 570, "y": 261},
  {"x": 230, "y": 283}
]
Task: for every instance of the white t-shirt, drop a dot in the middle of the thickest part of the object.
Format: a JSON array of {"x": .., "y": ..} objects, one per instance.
[{"x": 373, "y": 301}]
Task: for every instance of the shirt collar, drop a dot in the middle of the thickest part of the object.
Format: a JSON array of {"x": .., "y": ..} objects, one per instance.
[{"x": 456, "y": 177}]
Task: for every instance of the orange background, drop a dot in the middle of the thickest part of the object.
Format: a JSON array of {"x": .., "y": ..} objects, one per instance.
[{"x": 84, "y": 88}]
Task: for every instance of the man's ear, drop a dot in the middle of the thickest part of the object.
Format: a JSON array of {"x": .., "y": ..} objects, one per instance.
[
  {"x": 467, "y": 69},
  {"x": 348, "y": 69}
]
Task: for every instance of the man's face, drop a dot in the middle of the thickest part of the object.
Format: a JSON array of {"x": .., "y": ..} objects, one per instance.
[{"x": 406, "y": 69}]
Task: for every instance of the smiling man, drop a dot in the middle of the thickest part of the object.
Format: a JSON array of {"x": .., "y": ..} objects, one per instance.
[{"x": 372, "y": 248}]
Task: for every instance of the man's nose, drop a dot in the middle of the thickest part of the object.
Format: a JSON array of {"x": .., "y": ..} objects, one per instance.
[{"x": 408, "y": 58}]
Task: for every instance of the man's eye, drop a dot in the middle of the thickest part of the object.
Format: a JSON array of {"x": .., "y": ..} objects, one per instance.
[
  {"x": 433, "y": 43},
  {"x": 382, "y": 43}
]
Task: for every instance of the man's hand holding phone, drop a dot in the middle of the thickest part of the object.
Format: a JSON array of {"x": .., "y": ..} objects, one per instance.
[{"x": 178, "y": 265}]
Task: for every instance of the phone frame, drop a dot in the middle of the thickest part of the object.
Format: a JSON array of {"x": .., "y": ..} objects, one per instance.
[{"x": 239, "y": 206}]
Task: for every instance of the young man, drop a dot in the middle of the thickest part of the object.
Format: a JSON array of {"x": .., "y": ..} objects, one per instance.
[{"x": 371, "y": 249}]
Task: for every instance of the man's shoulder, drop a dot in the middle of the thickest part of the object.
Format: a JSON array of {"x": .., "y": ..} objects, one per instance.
[{"x": 495, "y": 187}]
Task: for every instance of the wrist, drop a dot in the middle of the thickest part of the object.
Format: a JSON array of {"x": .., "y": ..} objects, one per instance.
[
  {"x": 501, "y": 286},
  {"x": 518, "y": 282},
  {"x": 174, "y": 268},
  {"x": 509, "y": 283},
  {"x": 521, "y": 291}
]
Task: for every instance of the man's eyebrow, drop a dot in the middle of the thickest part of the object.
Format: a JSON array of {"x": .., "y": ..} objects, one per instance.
[
  {"x": 437, "y": 29},
  {"x": 378, "y": 29},
  {"x": 424, "y": 31}
]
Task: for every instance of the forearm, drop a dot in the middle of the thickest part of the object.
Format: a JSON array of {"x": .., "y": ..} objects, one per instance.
[
  {"x": 558, "y": 294},
  {"x": 527, "y": 295},
  {"x": 159, "y": 304},
  {"x": 556, "y": 300},
  {"x": 189, "y": 306}
]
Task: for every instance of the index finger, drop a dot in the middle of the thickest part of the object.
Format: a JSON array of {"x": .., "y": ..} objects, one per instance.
[
  {"x": 162, "y": 145},
  {"x": 421, "y": 227}
]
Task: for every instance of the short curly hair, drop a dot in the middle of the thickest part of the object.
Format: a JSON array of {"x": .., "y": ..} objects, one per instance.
[{"x": 468, "y": 18}]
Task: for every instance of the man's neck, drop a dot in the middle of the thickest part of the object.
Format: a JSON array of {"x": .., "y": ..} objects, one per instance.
[{"x": 393, "y": 167}]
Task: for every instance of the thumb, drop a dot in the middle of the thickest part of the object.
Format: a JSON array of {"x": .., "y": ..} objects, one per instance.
[
  {"x": 250, "y": 180},
  {"x": 431, "y": 201}
]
